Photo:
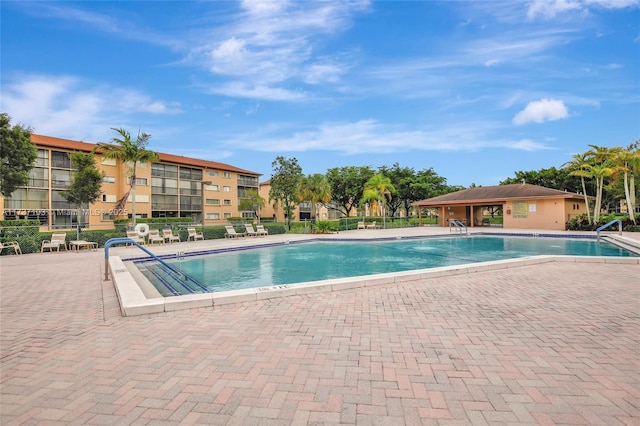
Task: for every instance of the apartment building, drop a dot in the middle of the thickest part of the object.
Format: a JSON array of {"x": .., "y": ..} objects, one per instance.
[{"x": 175, "y": 186}]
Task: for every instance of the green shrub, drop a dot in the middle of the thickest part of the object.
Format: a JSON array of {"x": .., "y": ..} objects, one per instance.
[{"x": 19, "y": 222}]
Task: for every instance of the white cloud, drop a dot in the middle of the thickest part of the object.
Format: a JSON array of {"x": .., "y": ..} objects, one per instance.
[
  {"x": 549, "y": 9},
  {"x": 240, "y": 89},
  {"x": 372, "y": 137},
  {"x": 541, "y": 111},
  {"x": 491, "y": 62},
  {"x": 527, "y": 145},
  {"x": 272, "y": 44},
  {"x": 73, "y": 108}
]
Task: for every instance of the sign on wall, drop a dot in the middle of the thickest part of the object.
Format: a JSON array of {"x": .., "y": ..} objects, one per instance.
[{"x": 520, "y": 209}]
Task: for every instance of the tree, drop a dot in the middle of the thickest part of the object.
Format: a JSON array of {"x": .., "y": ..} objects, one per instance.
[
  {"x": 401, "y": 178},
  {"x": 553, "y": 178},
  {"x": 252, "y": 201},
  {"x": 17, "y": 155},
  {"x": 580, "y": 166},
  {"x": 132, "y": 152},
  {"x": 347, "y": 185},
  {"x": 628, "y": 163},
  {"x": 427, "y": 184},
  {"x": 316, "y": 190},
  {"x": 284, "y": 185},
  {"x": 378, "y": 189},
  {"x": 601, "y": 167},
  {"x": 86, "y": 183}
]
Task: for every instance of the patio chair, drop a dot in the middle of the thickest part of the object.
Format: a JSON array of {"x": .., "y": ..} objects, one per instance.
[
  {"x": 192, "y": 234},
  {"x": 11, "y": 245},
  {"x": 231, "y": 232},
  {"x": 57, "y": 240},
  {"x": 372, "y": 225},
  {"x": 135, "y": 237},
  {"x": 154, "y": 237},
  {"x": 249, "y": 230},
  {"x": 262, "y": 231},
  {"x": 361, "y": 224},
  {"x": 167, "y": 234}
]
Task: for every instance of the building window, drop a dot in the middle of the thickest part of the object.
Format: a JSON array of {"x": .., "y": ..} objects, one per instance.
[
  {"x": 60, "y": 178},
  {"x": 213, "y": 215},
  {"x": 164, "y": 170},
  {"x": 212, "y": 202},
  {"x": 108, "y": 161},
  {"x": 139, "y": 181},
  {"x": 164, "y": 186},
  {"x": 109, "y": 179},
  {"x": 39, "y": 177},
  {"x": 212, "y": 173},
  {"x": 212, "y": 187},
  {"x": 251, "y": 181},
  {"x": 109, "y": 198},
  {"x": 227, "y": 202},
  {"x": 187, "y": 173},
  {"x": 106, "y": 217},
  {"x": 226, "y": 175},
  {"x": 43, "y": 158},
  {"x": 226, "y": 188},
  {"x": 138, "y": 164},
  {"x": 227, "y": 215},
  {"x": 60, "y": 160},
  {"x": 23, "y": 198}
]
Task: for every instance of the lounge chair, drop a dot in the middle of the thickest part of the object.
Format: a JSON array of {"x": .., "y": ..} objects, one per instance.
[
  {"x": 372, "y": 225},
  {"x": 11, "y": 245},
  {"x": 57, "y": 240},
  {"x": 361, "y": 224},
  {"x": 193, "y": 234},
  {"x": 231, "y": 232},
  {"x": 135, "y": 237},
  {"x": 167, "y": 234},
  {"x": 262, "y": 231},
  {"x": 249, "y": 230},
  {"x": 154, "y": 237}
]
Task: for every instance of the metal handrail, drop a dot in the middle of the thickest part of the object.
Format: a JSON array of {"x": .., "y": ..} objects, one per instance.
[
  {"x": 459, "y": 226},
  {"x": 114, "y": 241},
  {"x": 618, "y": 221}
]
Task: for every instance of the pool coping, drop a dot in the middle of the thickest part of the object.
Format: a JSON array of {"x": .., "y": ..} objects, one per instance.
[{"x": 133, "y": 301}]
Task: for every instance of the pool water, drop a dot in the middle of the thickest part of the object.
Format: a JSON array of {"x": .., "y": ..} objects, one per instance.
[{"x": 315, "y": 261}]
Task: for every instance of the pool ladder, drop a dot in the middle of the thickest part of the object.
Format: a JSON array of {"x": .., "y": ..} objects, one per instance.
[{"x": 459, "y": 226}]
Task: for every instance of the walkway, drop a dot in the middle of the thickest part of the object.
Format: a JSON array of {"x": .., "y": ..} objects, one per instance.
[{"x": 555, "y": 343}]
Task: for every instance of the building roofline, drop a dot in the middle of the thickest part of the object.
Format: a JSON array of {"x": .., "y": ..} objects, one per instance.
[
  {"x": 69, "y": 144},
  {"x": 498, "y": 195}
]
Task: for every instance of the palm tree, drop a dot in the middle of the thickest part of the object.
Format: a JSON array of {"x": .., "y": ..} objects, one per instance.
[
  {"x": 129, "y": 152},
  {"x": 601, "y": 167},
  {"x": 316, "y": 190},
  {"x": 378, "y": 189},
  {"x": 580, "y": 166},
  {"x": 628, "y": 162}
]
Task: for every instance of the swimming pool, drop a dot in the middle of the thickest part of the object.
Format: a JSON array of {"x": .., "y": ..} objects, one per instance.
[{"x": 315, "y": 261}]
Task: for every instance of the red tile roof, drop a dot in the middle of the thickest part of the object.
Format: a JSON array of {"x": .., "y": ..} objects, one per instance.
[
  {"x": 168, "y": 158},
  {"x": 497, "y": 194}
]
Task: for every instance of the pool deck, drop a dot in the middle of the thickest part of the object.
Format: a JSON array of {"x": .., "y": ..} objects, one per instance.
[{"x": 546, "y": 343}]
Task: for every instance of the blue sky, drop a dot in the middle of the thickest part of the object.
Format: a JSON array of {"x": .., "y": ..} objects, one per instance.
[{"x": 474, "y": 90}]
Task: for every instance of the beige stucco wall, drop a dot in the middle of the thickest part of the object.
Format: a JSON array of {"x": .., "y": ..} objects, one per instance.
[{"x": 539, "y": 214}]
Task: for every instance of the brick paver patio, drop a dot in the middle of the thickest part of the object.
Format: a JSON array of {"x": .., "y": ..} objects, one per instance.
[{"x": 556, "y": 343}]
